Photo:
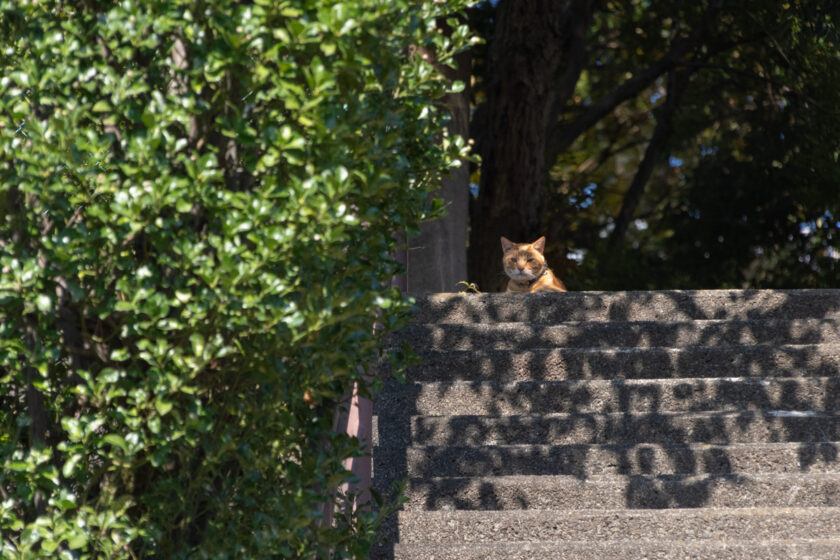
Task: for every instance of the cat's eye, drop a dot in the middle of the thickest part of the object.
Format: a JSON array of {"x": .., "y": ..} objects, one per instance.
[{"x": 532, "y": 260}]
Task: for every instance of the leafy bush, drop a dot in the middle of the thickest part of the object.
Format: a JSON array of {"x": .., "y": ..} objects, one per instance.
[{"x": 198, "y": 201}]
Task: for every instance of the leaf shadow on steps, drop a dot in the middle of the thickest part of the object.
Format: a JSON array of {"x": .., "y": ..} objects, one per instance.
[{"x": 640, "y": 410}]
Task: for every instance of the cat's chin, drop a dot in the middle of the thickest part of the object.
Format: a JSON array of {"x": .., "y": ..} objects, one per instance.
[{"x": 520, "y": 277}]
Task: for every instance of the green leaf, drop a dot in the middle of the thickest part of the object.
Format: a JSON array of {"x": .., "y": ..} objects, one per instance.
[
  {"x": 456, "y": 87},
  {"x": 197, "y": 342},
  {"x": 77, "y": 541},
  {"x": 119, "y": 355},
  {"x": 101, "y": 106},
  {"x": 70, "y": 465},
  {"x": 44, "y": 303},
  {"x": 163, "y": 407},
  {"x": 116, "y": 440}
]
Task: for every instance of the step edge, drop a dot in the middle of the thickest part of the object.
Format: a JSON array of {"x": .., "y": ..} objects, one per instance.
[{"x": 771, "y": 413}]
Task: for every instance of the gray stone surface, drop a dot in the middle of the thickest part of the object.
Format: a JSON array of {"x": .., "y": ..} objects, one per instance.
[
  {"x": 639, "y": 334},
  {"x": 628, "y": 363},
  {"x": 616, "y": 425},
  {"x": 784, "y": 490},
  {"x": 666, "y": 428},
  {"x": 612, "y": 395},
  {"x": 675, "y": 305},
  {"x": 641, "y": 459},
  {"x": 782, "y": 549},
  {"x": 599, "y": 525}
]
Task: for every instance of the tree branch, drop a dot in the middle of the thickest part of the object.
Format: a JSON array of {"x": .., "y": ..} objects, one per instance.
[
  {"x": 575, "y": 25},
  {"x": 34, "y": 405},
  {"x": 766, "y": 79},
  {"x": 677, "y": 82},
  {"x": 565, "y": 135}
]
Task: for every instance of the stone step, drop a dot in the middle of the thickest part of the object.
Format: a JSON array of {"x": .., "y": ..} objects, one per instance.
[
  {"x": 737, "y": 524},
  {"x": 782, "y": 549},
  {"x": 588, "y": 460},
  {"x": 674, "y": 424},
  {"x": 604, "y": 396},
  {"x": 640, "y": 334},
  {"x": 785, "y": 490},
  {"x": 822, "y": 360},
  {"x": 622, "y": 428},
  {"x": 675, "y": 305}
]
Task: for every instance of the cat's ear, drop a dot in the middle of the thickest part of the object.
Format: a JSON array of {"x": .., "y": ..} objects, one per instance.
[
  {"x": 539, "y": 244},
  {"x": 507, "y": 244}
]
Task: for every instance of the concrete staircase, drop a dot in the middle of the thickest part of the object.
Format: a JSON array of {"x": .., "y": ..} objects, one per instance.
[{"x": 600, "y": 425}]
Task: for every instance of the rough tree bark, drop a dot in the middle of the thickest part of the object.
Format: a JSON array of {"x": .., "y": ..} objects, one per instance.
[
  {"x": 532, "y": 41},
  {"x": 437, "y": 259},
  {"x": 536, "y": 55}
]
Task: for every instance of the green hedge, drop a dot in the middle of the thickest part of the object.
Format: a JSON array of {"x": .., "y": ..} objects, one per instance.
[{"x": 198, "y": 201}]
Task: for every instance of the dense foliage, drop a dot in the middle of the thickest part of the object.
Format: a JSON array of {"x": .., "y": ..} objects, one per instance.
[
  {"x": 198, "y": 201},
  {"x": 746, "y": 186},
  {"x": 697, "y": 144}
]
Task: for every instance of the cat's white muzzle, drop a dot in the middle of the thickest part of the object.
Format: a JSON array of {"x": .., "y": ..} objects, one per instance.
[{"x": 523, "y": 276}]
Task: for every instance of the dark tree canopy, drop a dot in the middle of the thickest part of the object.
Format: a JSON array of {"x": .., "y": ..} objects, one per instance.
[{"x": 660, "y": 144}]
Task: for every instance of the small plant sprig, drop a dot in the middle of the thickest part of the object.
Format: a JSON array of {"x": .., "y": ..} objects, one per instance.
[{"x": 469, "y": 287}]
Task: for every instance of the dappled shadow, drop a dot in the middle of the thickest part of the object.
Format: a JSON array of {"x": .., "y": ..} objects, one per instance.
[
  {"x": 671, "y": 491},
  {"x": 660, "y": 399}
]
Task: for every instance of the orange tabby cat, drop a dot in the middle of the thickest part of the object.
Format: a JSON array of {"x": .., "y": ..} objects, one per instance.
[{"x": 526, "y": 267}]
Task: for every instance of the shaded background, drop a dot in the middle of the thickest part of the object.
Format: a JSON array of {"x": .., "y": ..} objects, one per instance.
[{"x": 656, "y": 144}]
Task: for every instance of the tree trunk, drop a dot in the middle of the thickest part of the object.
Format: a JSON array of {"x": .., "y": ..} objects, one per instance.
[
  {"x": 437, "y": 259},
  {"x": 530, "y": 42}
]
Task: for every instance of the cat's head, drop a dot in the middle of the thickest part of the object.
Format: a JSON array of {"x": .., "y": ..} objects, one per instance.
[{"x": 523, "y": 262}]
